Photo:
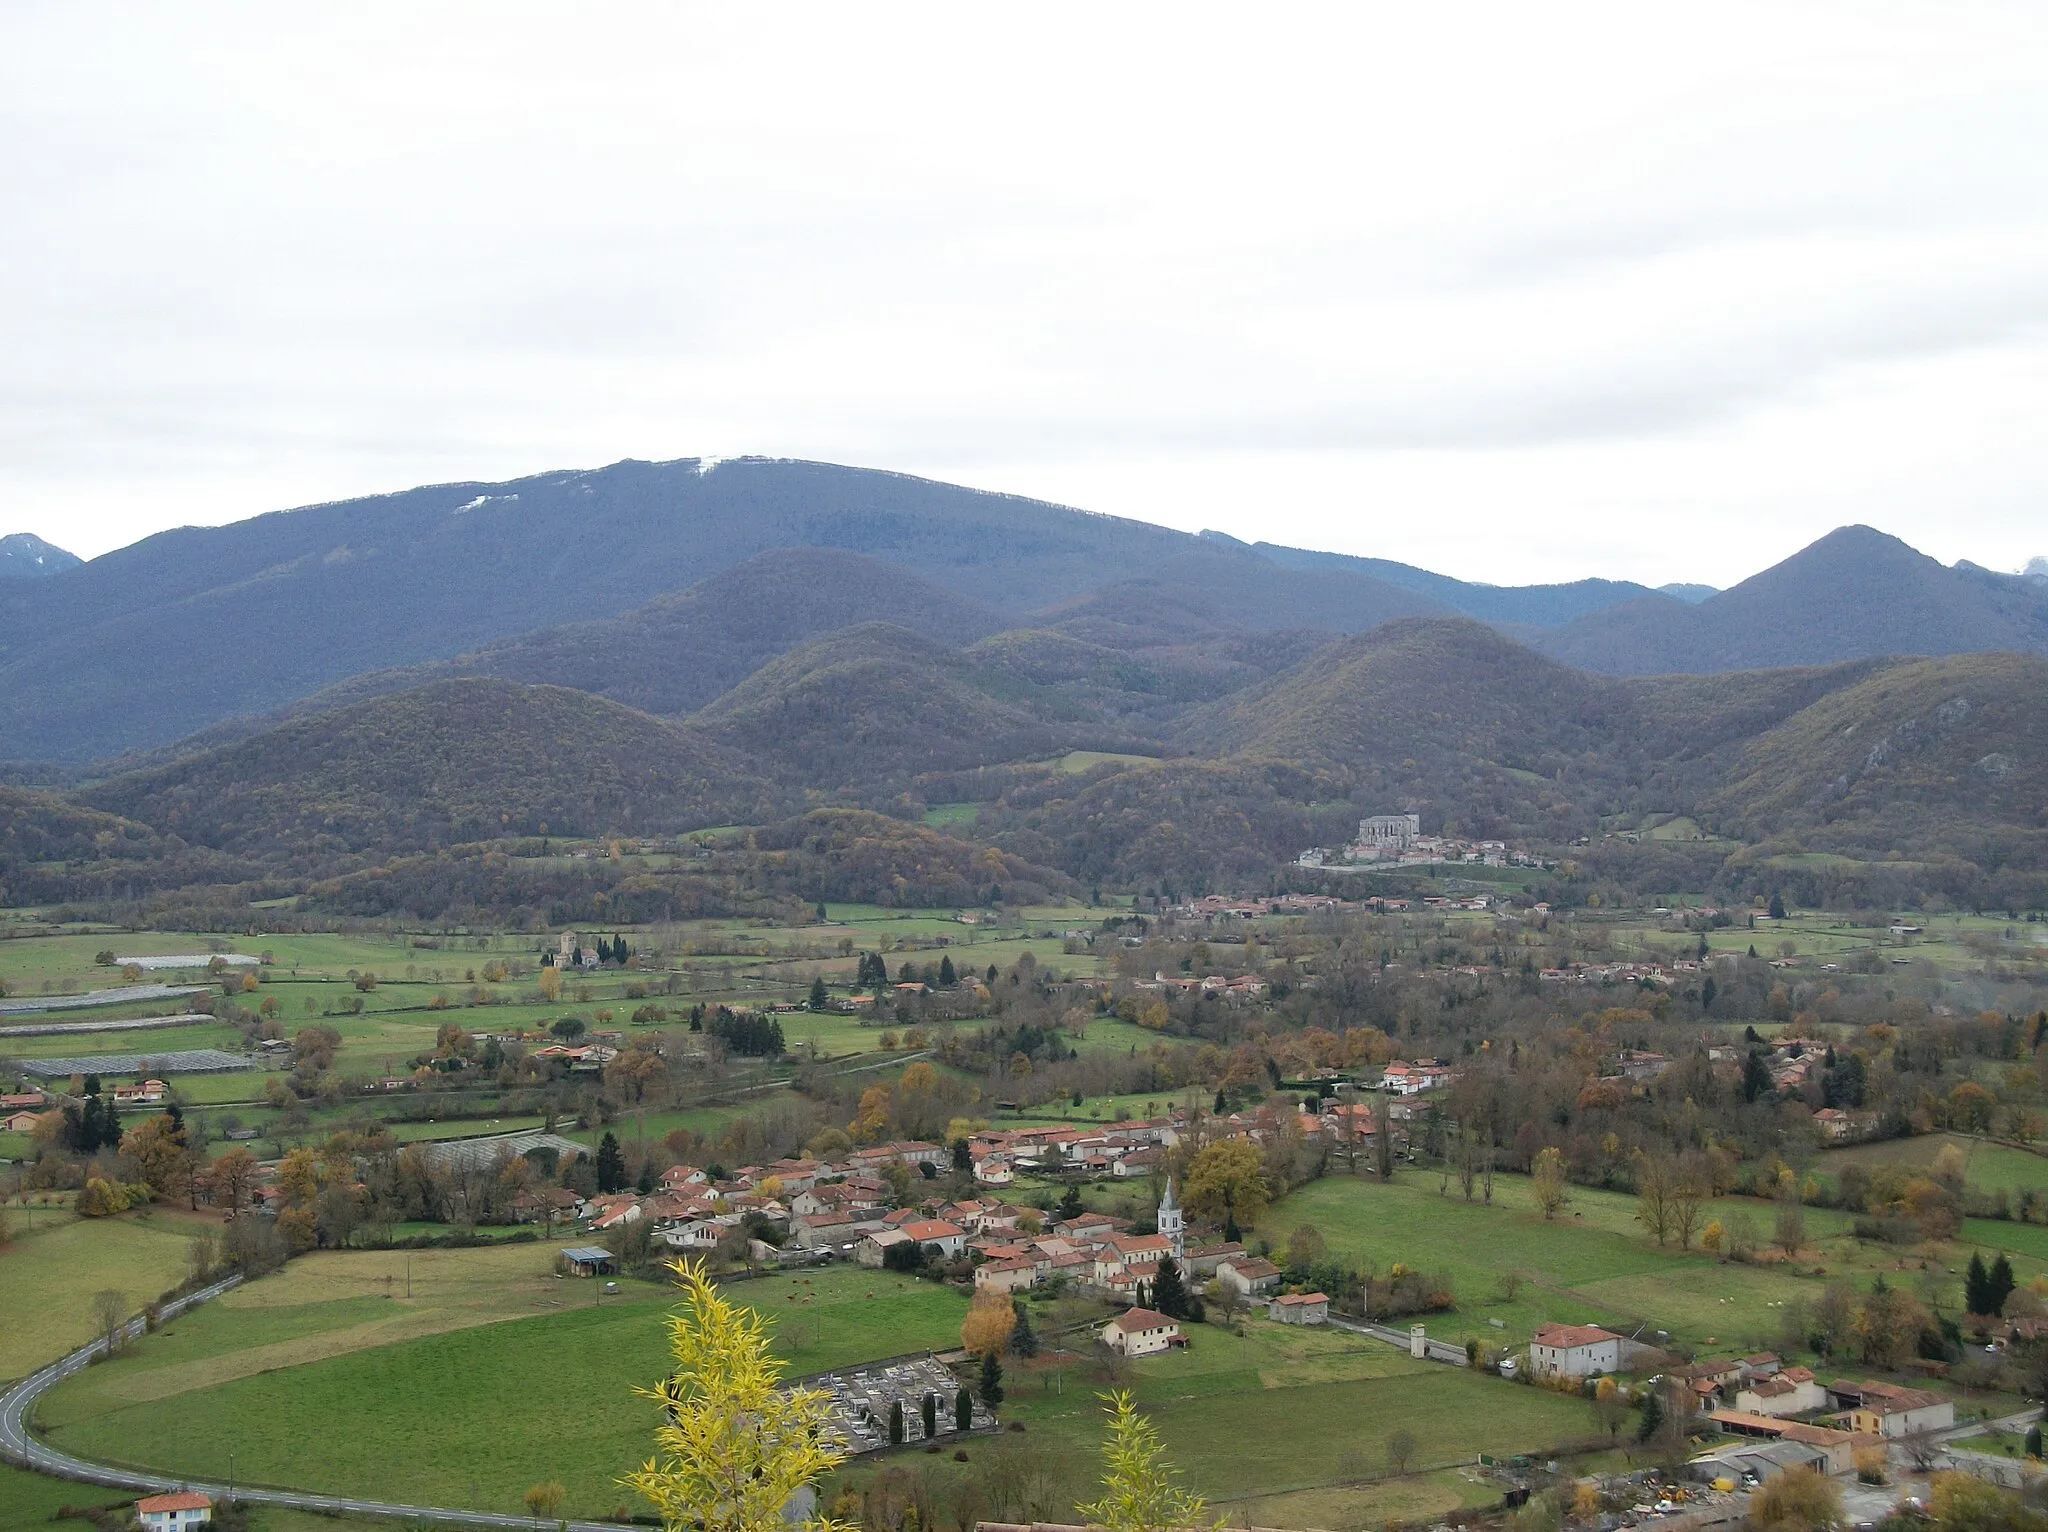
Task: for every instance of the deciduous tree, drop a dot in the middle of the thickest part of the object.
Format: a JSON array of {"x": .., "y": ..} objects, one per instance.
[
  {"x": 732, "y": 1446},
  {"x": 1139, "y": 1488},
  {"x": 1547, "y": 1183}
]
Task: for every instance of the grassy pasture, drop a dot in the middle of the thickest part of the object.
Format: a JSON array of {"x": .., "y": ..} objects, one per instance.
[
  {"x": 1592, "y": 1264},
  {"x": 57, "y": 1261},
  {"x": 523, "y": 1399},
  {"x": 518, "y": 1389},
  {"x": 1988, "y": 1167}
]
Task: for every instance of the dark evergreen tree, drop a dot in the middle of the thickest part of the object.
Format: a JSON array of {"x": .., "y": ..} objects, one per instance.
[
  {"x": 1999, "y": 1284},
  {"x": 1707, "y": 993},
  {"x": 176, "y": 1114},
  {"x": 1653, "y": 1416},
  {"x": 620, "y": 951},
  {"x": 1169, "y": 1292},
  {"x": 645, "y": 1185},
  {"x": 110, "y": 1127},
  {"x": 1070, "y": 1204},
  {"x": 697, "y": 1018},
  {"x": 896, "y": 1423},
  {"x": 611, "y": 1164},
  {"x": 991, "y": 1379},
  {"x": 1023, "y": 1339},
  {"x": 1777, "y": 910},
  {"x": 947, "y": 976},
  {"x": 991, "y": 974},
  {"x": 931, "y": 1415},
  {"x": 1756, "y": 1076},
  {"x": 908, "y": 973},
  {"x": 1231, "y": 1232},
  {"x": 1977, "y": 1286},
  {"x": 819, "y": 999},
  {"x": 963, "y": 1157},
  {"x": 963, "y": 1411},
  {"x": 604, "y": 949}
]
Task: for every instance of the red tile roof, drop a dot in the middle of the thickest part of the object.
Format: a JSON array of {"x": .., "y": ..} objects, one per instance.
[{"x": 180, "y": 1500}]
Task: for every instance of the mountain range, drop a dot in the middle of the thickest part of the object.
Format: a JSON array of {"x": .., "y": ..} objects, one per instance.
[
  {"x": 595, "y": 579},
  {"x": 657, "y": 648}
]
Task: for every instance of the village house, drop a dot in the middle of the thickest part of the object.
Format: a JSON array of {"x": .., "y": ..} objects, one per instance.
[
  {"x": 950, "y": 1239},
  {"x": 1248, "y": 1275},
  {"x": 1789, "y": 1391},
  {"x": 173, "y": 1512},
  {"x": 1010, "y": 1275},
  {"x": 1299, "y": 1308},
  {"x": 1887, "y": 1410},
  {"x": 143, "y": 1093},
  {"x": 20, "y": 1122},
  {"x": 1142, "y": 1332},
  {"x": 873, "y": 1249},
  {"x": 1574, "y": 1351},
  {"x": 1204, "y": 1259},
  {"x": 540, "y": 1204}
]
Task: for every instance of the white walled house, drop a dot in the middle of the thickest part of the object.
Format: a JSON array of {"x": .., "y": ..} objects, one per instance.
[
  {"x": 1142, "y": 1332},
  {"x": 1574, "y": 1351},
  {"x": 173, "y": 1512}
]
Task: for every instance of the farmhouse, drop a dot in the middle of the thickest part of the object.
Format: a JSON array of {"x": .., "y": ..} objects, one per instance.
[
  {"x": 1574, "y": 1351},
  {"x": 1142, "y": 1332},
  {"x": 1300, "y": 1308},
  {"x": 20, "y": 1122},
  {"x": 173, "y": 1512}
]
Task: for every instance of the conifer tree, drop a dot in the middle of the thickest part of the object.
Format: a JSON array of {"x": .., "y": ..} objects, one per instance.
[
  {"x": 947, "y": 976},
  {"x": 963, "y": 1411},
  {"x": 611, "y": 1164},
  {"x": 819, "y": 999},
  {"x": 991, "y": 1379},
  {"x": 1977, "y": 1286},
  {"x": 1169, "y": 1292},
  {"x": 1998, "y": 1284}
]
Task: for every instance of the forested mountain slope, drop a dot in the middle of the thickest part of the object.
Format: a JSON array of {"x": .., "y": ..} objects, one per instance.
[{"x": 452, "y": 761}]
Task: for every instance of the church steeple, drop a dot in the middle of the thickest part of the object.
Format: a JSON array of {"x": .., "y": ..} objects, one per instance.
[{"x": 1172, "y": 1224}]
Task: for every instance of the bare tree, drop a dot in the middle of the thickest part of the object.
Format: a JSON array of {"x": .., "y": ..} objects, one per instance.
[
  {"x": 110, "y": 1313},
  {"x": 1400, "y": 1451}
]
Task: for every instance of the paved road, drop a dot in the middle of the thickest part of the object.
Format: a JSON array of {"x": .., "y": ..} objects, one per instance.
[{"x": 18, "y": 1444}]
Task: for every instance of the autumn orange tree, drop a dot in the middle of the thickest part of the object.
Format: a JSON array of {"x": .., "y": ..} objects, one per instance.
[{"x": 991, "y": 1319}]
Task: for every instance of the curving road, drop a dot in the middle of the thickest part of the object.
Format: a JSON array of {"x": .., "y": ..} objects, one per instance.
[{"x": 18, "y": 1444}]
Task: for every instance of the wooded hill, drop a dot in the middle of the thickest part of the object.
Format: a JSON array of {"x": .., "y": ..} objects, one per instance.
[{"x": 1932, "y": 768}]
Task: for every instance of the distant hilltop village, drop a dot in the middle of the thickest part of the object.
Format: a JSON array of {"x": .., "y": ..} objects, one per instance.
[{"x": 1398, "y": 839}]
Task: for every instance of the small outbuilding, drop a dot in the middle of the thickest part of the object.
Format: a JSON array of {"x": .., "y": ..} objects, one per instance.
[{"x": 589, "y": 1261}]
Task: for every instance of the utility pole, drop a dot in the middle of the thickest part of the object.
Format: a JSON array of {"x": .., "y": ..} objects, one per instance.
[{"x": 408, "y": 1273}]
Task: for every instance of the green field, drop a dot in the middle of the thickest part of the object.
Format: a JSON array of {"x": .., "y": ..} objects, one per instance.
[
  {"x": 57, "y": 1261},
  {"x": 1592, "y": 1264},
  {"x": 323, "y": 1376},
  {"x": 510, "y": 1402}
]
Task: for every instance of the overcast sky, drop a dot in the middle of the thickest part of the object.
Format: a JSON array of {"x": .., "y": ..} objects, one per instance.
[{"x": 1517, "y": 292}]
